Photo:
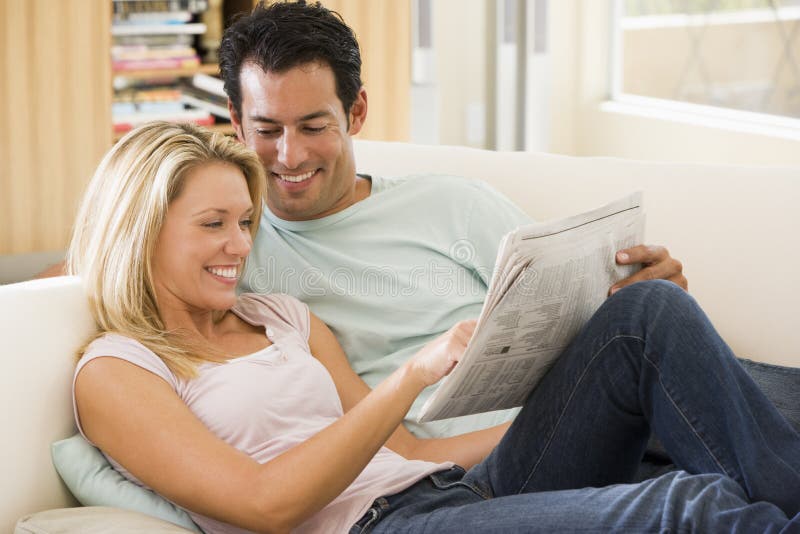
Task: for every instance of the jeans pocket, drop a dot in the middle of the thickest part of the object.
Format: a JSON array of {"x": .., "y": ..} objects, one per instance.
[
  {"x": 454, "y": 477},
  {"x": 448, "y": 478}
]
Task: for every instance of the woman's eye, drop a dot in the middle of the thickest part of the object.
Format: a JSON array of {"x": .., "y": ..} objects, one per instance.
[
  {"x": 247, "y": 223},
  {"x": 213, "y": 224}
]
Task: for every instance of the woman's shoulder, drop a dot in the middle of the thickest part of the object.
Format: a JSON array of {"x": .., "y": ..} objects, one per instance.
[
  {"x": 114, "y": 345},
  {"x": 118, "y": 345}
]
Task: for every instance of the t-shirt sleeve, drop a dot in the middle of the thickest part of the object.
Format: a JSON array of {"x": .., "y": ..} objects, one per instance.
[
  {"x": 265, "y": 309},
  {"x": 124, "y": 348},
  {"x": 492, "y": 215}
]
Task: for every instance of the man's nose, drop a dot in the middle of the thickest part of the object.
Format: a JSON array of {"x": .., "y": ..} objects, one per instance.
[{"x": 292, "y": 150}]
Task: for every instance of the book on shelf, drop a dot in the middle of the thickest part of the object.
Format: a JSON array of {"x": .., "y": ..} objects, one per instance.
[
  {"x": 214, "y": 104},
  {"x": 123, "y": 123},
  {"x": 137, "y": 52},
  {"x": 158, "y": 29},
  {"x": 155, "y": 64},
  {"x": 154, "y": 17},
  {"x": 124, "y": 9},
  {"x": 210, "y": 84},
  {"x": 153, "y": 41},
  {"x": 148, "y": 93}
]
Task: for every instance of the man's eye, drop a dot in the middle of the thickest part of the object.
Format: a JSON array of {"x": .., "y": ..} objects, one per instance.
[
  {"x": 267, "y": 133},
  {"x": 315, "y": 130}
]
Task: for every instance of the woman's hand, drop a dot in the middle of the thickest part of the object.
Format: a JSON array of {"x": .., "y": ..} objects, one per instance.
[{"x": 436, "y": 359}]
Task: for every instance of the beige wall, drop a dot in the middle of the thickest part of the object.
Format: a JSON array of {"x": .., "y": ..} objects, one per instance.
[
  {"x": 55, "y": 98},
  {"x": 383, "y": 29}
]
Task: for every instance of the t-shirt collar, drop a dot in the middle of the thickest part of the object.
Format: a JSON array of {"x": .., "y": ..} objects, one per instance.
[{"x": 322, "y": 222}]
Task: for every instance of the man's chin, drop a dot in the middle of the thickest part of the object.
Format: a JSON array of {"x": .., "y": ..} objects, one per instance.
[{"x": 299, "y": 210}]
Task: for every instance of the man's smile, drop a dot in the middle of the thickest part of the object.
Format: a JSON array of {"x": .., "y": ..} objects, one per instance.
[{"x": 295, "y": 178}]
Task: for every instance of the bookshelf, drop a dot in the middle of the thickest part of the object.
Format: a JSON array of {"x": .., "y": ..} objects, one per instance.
[{"x": 159, "y": 49}]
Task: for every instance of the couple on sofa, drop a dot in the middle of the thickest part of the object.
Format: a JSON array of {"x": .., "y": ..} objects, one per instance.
[{"x": 246, "y": 411}]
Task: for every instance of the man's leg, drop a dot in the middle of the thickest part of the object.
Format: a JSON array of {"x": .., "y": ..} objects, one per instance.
[
  {"x": 648, "y": 358},
  {"x": 675, "y": 502}
]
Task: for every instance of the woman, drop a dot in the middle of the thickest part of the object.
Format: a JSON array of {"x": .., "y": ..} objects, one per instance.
[{"x": 244, "y": 410}]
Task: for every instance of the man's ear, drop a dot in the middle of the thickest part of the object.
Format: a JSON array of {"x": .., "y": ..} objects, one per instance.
[
  {"x": 358, "y": 112},
  {"x": 236, "y": 122}
]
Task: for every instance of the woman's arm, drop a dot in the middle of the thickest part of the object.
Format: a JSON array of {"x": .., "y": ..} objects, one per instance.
[
  {"x": 466, "y": 450},
  {"x": 137, "y": 419}
]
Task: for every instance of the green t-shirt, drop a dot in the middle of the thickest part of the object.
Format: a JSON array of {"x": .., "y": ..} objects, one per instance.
[{"x": 391, "y": 272}]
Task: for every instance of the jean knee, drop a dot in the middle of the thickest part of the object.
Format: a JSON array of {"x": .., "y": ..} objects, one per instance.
[
  {"x": 651, "y": 289},
  {"x": 654, "y": 296}
]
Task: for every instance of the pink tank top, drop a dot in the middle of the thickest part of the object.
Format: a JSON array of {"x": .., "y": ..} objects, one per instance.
[{"x": 267, "y": 402}]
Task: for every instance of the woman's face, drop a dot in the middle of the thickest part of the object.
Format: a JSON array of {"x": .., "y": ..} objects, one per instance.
[{"x": 205, "y": 239}]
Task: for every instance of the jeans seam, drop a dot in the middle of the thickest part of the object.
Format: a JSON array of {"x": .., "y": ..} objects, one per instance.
[
  {"x": 569, "y": 401},
  {"x": 686, "y": 420},
  {"x": 475, "y": 488}
]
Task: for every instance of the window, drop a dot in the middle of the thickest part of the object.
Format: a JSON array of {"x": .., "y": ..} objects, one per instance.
[{"x": 741, "y": 55}]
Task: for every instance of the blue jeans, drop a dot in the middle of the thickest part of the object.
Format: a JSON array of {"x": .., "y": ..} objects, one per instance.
[{"x": 648, "y": 360}]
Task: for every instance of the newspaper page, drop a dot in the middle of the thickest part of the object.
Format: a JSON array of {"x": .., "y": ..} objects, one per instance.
[{"x": 548, "y": 280}]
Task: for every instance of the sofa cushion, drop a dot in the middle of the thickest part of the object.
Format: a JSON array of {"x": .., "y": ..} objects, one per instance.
[
  {"x": 781, "y": 385},
  {"x": 93, "y": 520},
  {"x": 93, "y": 481}
]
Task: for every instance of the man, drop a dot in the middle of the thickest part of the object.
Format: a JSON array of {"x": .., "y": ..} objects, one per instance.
[{"x": 387, "y": 264}]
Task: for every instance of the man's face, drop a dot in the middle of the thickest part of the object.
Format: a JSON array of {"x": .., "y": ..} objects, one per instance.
[{"x": 296, "y": 123}]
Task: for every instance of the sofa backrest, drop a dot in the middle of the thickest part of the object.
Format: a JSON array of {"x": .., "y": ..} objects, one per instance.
[
  {"x": 42, "y": 324},
  {"x": 733, "y": 227}
]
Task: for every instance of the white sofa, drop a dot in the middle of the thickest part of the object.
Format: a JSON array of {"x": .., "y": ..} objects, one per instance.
[{"x": 733, "y": 227}]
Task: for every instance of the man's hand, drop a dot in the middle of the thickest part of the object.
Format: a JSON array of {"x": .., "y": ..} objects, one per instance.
[{"x": 656, "y": 262}]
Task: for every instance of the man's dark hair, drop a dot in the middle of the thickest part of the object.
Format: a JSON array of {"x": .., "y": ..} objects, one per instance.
[{"x": 283, "y": 35}]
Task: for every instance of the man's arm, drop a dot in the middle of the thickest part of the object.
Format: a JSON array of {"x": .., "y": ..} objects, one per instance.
[
  {"x": 59, "y": 269},
  {"x": 656, "y": 262}
]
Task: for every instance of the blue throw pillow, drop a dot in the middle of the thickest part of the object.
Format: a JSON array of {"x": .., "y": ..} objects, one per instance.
[{"x": 93, "y": 481}]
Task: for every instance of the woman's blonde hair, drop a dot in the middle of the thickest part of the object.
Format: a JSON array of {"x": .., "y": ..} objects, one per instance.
[{"x": 119, "y": 221}]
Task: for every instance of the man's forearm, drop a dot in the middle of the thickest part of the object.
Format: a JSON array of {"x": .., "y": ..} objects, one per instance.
[
  {"x": 465, "y": 450},
  {"x": 59, "y": 269}
]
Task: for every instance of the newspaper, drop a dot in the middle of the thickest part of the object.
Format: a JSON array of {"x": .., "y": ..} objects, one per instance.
[{"x": 549, "y": 279}]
